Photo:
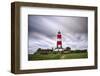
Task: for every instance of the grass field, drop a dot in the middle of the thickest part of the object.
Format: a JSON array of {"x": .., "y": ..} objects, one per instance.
[{"x": 52, "y": 56}]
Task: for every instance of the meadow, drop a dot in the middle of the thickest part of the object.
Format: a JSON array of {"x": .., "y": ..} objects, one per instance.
[{"x": 58, "y": 55}]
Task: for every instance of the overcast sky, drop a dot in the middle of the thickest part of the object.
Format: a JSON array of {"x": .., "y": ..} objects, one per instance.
[{"x": 42, "y": 31}]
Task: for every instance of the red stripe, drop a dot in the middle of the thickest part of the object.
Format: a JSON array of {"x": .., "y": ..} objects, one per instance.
[
  {"x": 59, "y": 36},
  {"x": 59, "y": 43}
]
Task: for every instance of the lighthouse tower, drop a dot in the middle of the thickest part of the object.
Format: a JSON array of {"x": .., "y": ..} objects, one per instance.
[{"x": 59, "y": 41}]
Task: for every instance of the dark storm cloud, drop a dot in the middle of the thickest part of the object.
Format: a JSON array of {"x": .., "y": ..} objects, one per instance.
[
  {"x": 43, "y": 30},
  {"x": 38, "y": 24}
]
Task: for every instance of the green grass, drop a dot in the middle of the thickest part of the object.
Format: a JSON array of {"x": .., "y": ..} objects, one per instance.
[{"x": 52, "y": 56}]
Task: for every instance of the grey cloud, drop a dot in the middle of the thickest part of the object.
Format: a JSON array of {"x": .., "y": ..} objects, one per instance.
[{"x": 43, "y": 29}]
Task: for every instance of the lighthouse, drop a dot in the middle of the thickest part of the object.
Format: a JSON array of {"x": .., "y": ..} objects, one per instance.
[{"x": 59, "y": 41}]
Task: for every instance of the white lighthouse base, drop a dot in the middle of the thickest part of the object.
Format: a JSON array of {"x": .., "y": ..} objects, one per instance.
[{"x": 58, "y": 49}]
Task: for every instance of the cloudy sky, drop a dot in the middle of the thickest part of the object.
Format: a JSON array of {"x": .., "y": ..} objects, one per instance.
[{"x": 42, "y": 31}]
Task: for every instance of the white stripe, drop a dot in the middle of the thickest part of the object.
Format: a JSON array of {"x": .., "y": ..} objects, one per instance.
[
  {"x": 59, "y": 39},
  {"x": 59, "y": 45}
]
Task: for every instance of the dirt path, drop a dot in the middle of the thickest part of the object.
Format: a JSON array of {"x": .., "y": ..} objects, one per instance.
[{"x": 62, "y": 57}]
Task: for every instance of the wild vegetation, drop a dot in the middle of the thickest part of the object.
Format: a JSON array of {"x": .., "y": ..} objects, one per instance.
[{"x": 49, "y": 54}]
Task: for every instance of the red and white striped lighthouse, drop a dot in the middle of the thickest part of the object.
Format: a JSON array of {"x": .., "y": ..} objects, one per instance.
[{"x": 59, "y": 40}]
